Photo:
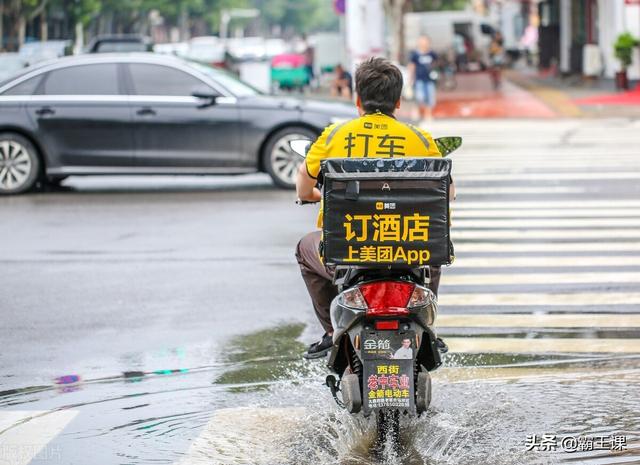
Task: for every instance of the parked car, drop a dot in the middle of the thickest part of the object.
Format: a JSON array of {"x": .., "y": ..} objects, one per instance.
[
  {"x": 180, "y": 49},
  {"x": 110, "y": 43},
  {"x": 147, "y": 114},
  {"x": 10, "y": 64},
  {"x": 208, "y": 50},
  {"x": 36, "y": 52}
]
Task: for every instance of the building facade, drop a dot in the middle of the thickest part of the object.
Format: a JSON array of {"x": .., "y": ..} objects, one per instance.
[{"x": 577, "y": 36}]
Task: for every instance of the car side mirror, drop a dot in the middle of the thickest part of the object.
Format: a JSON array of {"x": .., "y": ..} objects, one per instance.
[
  {"x": 300, "y": 146},
  {"x": 207, "y": 94},
  {"x": 447, "y": 145}
]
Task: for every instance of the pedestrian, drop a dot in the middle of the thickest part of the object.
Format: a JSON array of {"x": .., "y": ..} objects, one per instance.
[
  {"x": 342, "y": 84},
  {"x": 422, "y": 74},
  {"x": 496, "y": 59},
  {"x": 309, "y": 59}
]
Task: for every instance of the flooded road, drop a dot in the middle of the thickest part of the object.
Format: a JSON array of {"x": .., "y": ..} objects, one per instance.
[
  {"x": 262, "y": 404},
  {"x": 163, "y": 322}
]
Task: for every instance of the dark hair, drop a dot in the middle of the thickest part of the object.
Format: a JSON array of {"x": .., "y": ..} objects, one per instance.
[{"x": 379, "y": 85}]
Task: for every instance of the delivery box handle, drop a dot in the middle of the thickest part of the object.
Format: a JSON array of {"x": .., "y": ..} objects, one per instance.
[{"x": 352, "y": 191}]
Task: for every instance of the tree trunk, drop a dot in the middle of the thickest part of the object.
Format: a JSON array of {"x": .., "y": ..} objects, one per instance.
[
  {"x": 394, "y": 10},
  {"x": 1, "y": 25},
  {"x": 22, "y": 30},
  {"x": 44, "y": 26},
  {"x": 79, "y": 43}
]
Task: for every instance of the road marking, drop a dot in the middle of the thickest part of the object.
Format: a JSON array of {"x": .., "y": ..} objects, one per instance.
[
  {"x": 540, "y": 298},
  {"x": 479, "y": 373},
  {"x": 24, "y": 434},
  {"x": 547, "y": 262},
  {"x": 516, "y": 320},
  {"x": 452, "y": 279},
  {"x": 546, "y": 213},
  {"x": 550, "y": 247},
  {"x": 523, "y": 190},
  {"x": 543, "y": 223},
  {"x": 246, "y": 435},
  {"x": 546, "y": 205},
  {"x": 546, "y": 234},
  {"x": 513, "y": 345},
  {"x": 550, "y": 176}
]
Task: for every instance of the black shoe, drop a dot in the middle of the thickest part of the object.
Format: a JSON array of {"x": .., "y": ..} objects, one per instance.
[
  {"x": 442, "y": 347},
  {"x": 319, "y": 349}
]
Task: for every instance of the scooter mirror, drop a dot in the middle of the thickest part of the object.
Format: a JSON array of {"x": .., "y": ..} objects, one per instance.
[
  {"x": 446, "y": 145},
  {"x": 300, "y": 146}
]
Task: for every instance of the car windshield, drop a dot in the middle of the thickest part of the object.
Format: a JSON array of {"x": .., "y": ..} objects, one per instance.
[{"x": 230, "y": 82}]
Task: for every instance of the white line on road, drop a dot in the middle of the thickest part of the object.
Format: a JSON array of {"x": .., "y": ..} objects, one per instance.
[
  {"x": 547, "y": 262},
  {"x": 522, "y": 190},
  {"x": 550, "y": 176},
  {"x": 545, "y": 213},
  {"x": 540, "y": 298},
  {"x": 540, "y": 278},
  {"x": 513, "y": 345},
  {"x": 546, "y": 205},
  {"x": 469, "y": 247},
  {"x": 602, "y": 234},
  {"x": 24, "y": 435},
  {"x": 246, "y": 435},
  {"x": 516, "y": 320},
  {"x": 543, "y": 223}
]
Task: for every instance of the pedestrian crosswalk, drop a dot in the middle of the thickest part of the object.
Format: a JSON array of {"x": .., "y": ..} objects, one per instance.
[
  {"x": 547, "y": 245},
  {"x": 25, "y": 435},
  {"x": 546, "y": 225}
]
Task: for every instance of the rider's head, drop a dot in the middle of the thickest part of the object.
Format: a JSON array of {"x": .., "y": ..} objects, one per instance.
[{"x": 379, "y": 86}]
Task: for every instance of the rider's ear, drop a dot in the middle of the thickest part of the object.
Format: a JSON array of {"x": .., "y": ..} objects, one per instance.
[{"x": 398, "y": 104}]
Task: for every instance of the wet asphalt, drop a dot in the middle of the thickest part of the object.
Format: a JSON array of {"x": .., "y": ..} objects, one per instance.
[{"x": 161, "y": 320}]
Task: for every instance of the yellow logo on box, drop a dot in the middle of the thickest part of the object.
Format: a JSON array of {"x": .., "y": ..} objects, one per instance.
[{"x": 379, "y": 205}]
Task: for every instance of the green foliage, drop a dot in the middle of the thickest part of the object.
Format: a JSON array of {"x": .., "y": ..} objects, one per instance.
[
  {"x": 300, "y": 16},
  {"x": 623, "y": 48},
  {"x": 439, "y": 5}
]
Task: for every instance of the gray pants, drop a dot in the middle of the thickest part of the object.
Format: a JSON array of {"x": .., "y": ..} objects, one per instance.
[{"x": 319, "y": 278}]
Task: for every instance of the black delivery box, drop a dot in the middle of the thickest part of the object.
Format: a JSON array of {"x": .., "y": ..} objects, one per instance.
[{"x": 386, "y": 212}]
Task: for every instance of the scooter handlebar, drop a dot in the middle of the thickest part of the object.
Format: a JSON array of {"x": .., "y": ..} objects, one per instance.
[{"x": 304, "y": 202}]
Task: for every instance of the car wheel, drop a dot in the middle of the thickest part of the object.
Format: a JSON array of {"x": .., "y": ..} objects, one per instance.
[
  {"x": 280, "y": 161},
  {"x": 19, "y": 164}
]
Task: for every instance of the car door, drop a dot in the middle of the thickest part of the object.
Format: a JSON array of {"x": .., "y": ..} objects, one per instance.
[
  {"x": 175, "y": 129},
  {"x": 82, "y": 117}
]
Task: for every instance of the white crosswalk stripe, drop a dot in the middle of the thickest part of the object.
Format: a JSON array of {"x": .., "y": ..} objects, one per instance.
[
  {"x": 24, "y": 435},
  {"x": 537, "y": 212}
]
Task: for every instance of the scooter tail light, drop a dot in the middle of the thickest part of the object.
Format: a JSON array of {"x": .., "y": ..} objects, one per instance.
[
  {"x": 382, "y": 325},
  {"x": 353, "y": 298},
  {"x": 387, "y": 298},
  {"x": 420, "y": 297}
]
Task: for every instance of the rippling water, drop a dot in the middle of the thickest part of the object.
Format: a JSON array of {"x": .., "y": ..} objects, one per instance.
[{"x": 260, "y": 403}]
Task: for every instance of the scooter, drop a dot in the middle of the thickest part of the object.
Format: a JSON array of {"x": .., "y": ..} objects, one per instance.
[{"x": 384, "y": 343}]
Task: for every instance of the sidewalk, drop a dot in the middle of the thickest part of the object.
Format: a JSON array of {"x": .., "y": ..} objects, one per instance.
[
  {"x": 576, "y": 96},
  {"x": 475, "y": 97}
]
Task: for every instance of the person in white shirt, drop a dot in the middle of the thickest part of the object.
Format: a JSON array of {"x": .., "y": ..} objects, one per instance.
[{"x": 404, "y": 352}]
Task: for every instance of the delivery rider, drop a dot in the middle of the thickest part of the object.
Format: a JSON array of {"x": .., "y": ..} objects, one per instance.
[{"x": 376, "y": 134}]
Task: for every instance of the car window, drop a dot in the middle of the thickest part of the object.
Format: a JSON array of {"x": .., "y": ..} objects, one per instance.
[
  {"x": 110, "y": 47},
  {"x": 27, "y": 87},
  {"x": 149, "y": 79},
  {"x": 98, "y": 79},
  {"x": 230, "y": 82}
]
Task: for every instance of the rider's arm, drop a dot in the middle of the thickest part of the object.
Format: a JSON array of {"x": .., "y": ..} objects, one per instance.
[
  {"x": 309, "y": 170},
  {"x": 306, "y": 186}
]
